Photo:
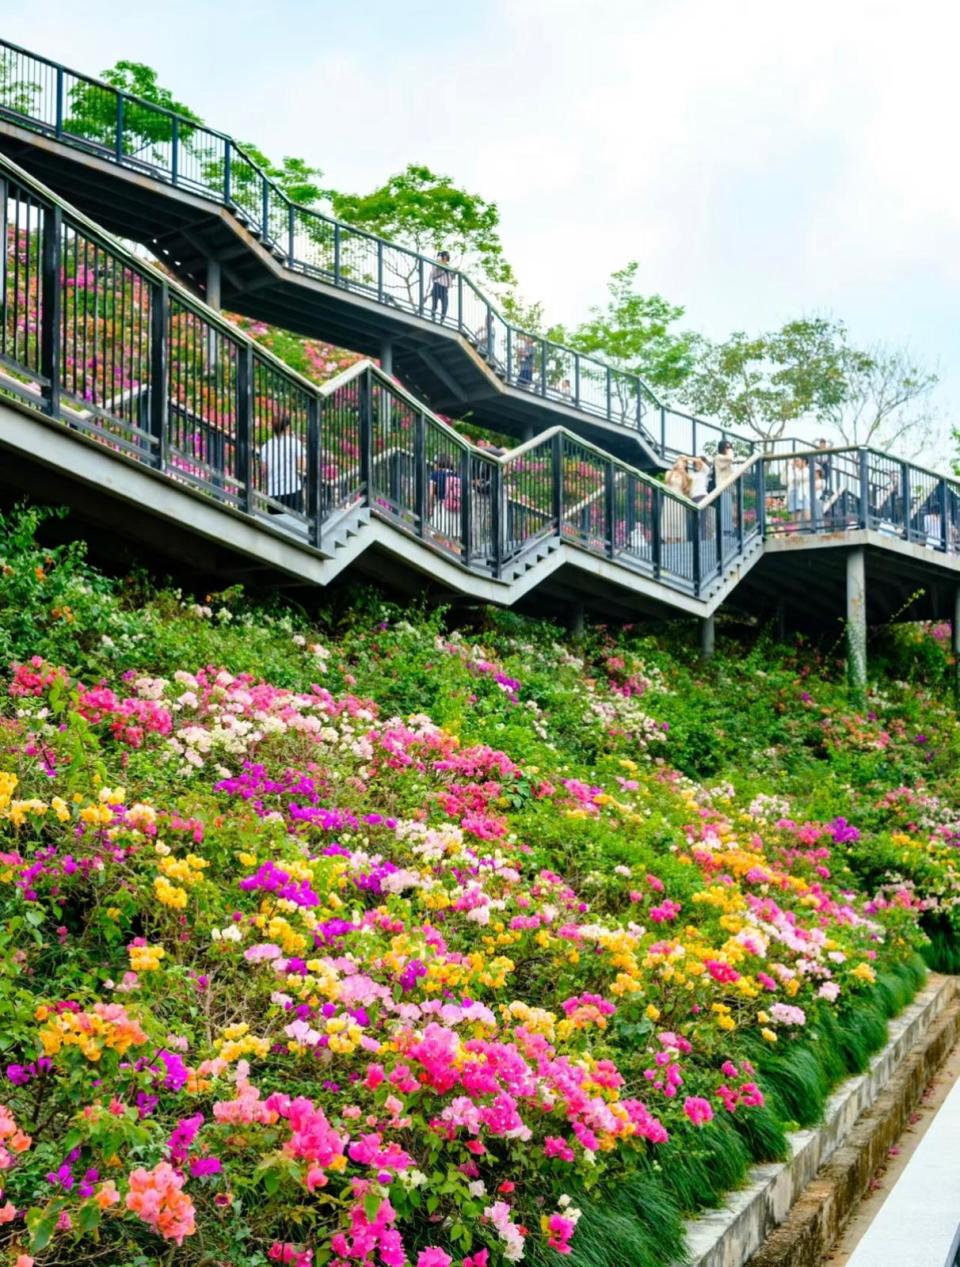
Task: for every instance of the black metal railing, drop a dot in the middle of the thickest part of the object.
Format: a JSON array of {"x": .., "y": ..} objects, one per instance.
[
  {"x": 108, "y": 346},
  {"x": 177, "y": 150}
]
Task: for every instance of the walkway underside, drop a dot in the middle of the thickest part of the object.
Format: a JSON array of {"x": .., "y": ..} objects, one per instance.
[
  {"x": 130, "y": 512},
  {"x": 186, "y": 231}
]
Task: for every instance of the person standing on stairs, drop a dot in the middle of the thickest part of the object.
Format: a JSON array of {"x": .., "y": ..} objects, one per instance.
[
  {"x": 699, "y": 471},
  {"x": 440, "y": 286},
  {"x": 282, "y": 464}
]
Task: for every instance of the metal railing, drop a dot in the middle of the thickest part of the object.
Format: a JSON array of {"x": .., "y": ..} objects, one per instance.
[
  {"x": 179, "y": 151},
  {"x": 108, "y": 346}
]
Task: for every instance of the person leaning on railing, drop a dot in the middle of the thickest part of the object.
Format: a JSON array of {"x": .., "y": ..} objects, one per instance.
[{"x": 673, "y": 520}]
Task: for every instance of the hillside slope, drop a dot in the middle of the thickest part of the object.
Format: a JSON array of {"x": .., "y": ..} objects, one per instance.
[{"x": 359, "y": 940}]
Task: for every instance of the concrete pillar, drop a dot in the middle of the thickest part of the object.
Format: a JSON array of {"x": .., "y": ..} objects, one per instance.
[
  {"x": 955, "y": 644},
  {"x": 213, "y": 284},
  {"x": 708, "y": 637},
  {"x": 528, "y": 432},
  {"x": 576, "y": 619},
  {"x": 857, "y": 622},
  {"x": 386, "y": 356}
]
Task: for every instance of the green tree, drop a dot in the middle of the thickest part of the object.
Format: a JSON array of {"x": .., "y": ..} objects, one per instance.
[
  {"x": 886, "y": 402},
  {"x": 93, "y": 111},
  {"x": 766, "y": 382},
  {"x": 425, "y": 211},
  {"x": 16, "y": 93},
  {"x": 633, "y": 333}
]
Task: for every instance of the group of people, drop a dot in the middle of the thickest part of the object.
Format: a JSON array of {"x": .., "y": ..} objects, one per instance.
[{"x": 697, "y": 477}]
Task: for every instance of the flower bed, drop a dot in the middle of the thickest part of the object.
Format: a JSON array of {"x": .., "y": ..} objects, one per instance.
[{"x": 388, "y": 945}]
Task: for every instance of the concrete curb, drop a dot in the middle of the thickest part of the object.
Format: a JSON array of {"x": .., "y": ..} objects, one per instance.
[{"x": 730, "y": 1236}]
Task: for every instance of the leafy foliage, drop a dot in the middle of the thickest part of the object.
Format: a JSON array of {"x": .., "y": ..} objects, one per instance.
[
  {"x": 258, "y": 865},
  {"x": 634, "y": 333}
]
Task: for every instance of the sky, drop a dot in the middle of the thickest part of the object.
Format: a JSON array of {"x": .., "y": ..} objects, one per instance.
[{"x": 761, "y": 161}]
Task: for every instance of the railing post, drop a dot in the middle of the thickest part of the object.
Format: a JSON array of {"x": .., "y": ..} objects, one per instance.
[
  {"x": 366, "y": 435},
  {"x": 812, "y": 494},
  {"x": 466, "y": 507},
  {"x": 509, "y": 353},
  {"x": 656, "y": 532},
  {"x": 175, "y": 151},
  {"x": 496, "y": 517},
  {"x": 556, "y": 445},
  {"x": 59, "y": 115},
  {"x": 693, "y": 438},
  {"x": 421, "y": 286},
  {"x": 696, "y": 547},
  {"x": 460, "y": 302},
  {"x": 740, "y": 515},
  {"x": 576, "y": 379},
  {"x": 118, "y": 136},
  {"x": 864, "y": 457},
  {"x": 245, "y": 436},
  {"x": 663, "y": 430},
  {"x": 51, "y": 300},
  {"x": 942, "y": 498},
  {"x": 159, "y": 393},
  {"x": 608, "y": 525},
  {"x": 420, "y": 474},
  {"x": 609, "y": 394},
  {"x": 639, "y": 403},
  {"x": 336, "y": 255},
  {"x": 314, "y": 469},
  {"x": 543, "y": 367},
  {"x": 264, "y": 210},
  {"x": 905, "y": 494},
  {"x": 227, "y": 182},
  {"x": 718, "y": 527},
  {"x": 762, "y": 498},
  {"x": 380, "y": 269},
  {"x": 291, "y": 229}
]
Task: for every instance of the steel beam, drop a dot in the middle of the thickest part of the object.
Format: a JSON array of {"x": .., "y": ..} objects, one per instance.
[{"x": 213, "y": 285}]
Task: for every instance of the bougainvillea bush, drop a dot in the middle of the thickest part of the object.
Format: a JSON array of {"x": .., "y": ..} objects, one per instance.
[{"x": 363, "y": 940}]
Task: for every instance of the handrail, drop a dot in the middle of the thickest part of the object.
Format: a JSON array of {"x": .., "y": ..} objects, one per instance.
[
  {"x": 641, "y": 396},
  {"x": 201, "y": 397}
]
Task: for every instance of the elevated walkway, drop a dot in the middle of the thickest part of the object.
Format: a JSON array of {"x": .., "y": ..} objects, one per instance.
[
  {"x": 125, "y": 397},
  {"x": 193, "y": 197}
]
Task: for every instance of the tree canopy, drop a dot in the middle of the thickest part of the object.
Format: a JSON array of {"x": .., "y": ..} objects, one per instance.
[
  {"x": 633, "y": 332},
  {"x": 428, "y": 212},
  {"x": 93, "y": 112},
  {"x": 763, "y": 383}
]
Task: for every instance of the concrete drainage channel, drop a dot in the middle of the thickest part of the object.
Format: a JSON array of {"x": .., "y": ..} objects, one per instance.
[{"x": 790, "y": 1213}]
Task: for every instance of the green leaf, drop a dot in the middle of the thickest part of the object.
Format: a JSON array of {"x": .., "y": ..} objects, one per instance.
[
  {"x": 89, "y": 1216},
  {"x": 371, "y": 1206}
]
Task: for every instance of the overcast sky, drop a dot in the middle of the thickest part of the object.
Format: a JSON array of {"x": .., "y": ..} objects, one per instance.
[{"x": 760, "y": 160}]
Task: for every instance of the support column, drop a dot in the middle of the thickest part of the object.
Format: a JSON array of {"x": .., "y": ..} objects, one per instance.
[
  {"x": 528, "y": 432},
  {"x": 857, "y": 622},
  {"x": 386, "y": 356},
  {"x": 781, "y": 620},
  {"x": 955, "y": 644},
  {"x": 576, "y": 619},
  {"x": 708, "y": 637},
  {"x": 213, "y": 284}
]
